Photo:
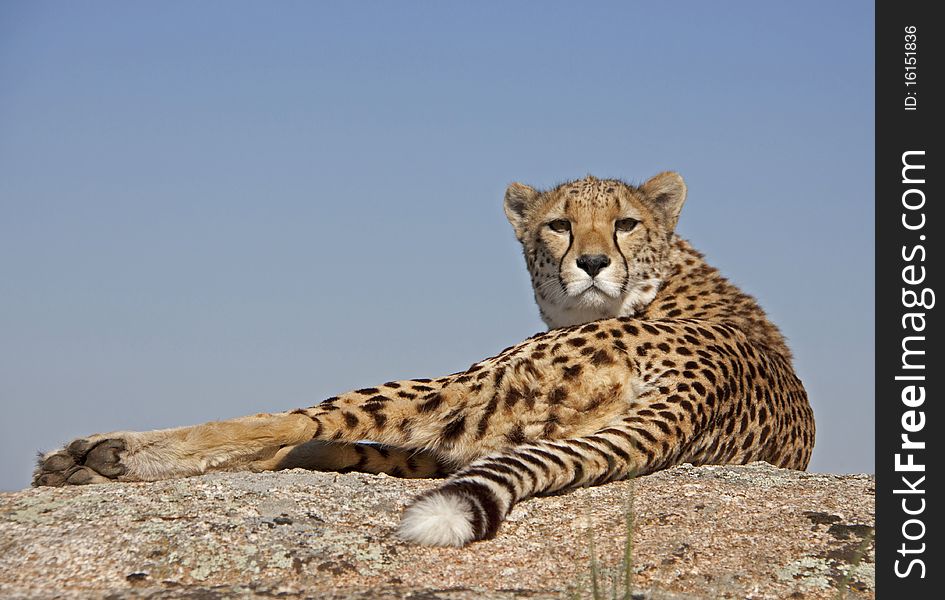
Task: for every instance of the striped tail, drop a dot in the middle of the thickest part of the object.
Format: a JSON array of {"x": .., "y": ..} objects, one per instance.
[{"x": 474, "y": 501}]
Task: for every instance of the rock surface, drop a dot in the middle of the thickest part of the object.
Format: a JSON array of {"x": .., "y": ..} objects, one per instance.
[{"x": 698, "y": 532}]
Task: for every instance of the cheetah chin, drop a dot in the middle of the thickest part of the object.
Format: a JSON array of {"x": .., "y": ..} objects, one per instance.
[{"x": 597, "y": 294}]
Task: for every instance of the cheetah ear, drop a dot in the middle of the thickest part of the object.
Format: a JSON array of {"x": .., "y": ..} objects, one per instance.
[
  {"x": 666, "y": 193},
  {"x": 518, "y": 197}
]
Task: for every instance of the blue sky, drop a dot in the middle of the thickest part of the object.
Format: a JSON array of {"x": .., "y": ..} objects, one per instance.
[{"x": 218, "y": 208}]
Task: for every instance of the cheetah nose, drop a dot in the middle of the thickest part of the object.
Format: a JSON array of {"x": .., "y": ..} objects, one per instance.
[{"x": 593, "y": 263}]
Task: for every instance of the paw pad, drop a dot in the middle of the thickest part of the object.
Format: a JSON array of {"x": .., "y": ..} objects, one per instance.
[{"x": 81, "y": 462}]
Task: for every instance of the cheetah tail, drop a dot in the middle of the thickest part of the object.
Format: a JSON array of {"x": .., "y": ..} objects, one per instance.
[{"x": 475, "y": 500}]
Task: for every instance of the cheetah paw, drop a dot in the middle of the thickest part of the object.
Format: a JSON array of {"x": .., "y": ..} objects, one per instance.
[{"x": 94, "y": 460}]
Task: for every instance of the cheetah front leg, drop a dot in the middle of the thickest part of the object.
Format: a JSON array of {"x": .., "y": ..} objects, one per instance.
[
  {"x": 257, "y": 443},
  {"x": 522, "y": 394},
  {"x": 171, "y": 453},
  {"x": 406, "y": 417}
]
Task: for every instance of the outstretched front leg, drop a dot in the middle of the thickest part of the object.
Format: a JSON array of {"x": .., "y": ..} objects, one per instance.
[
  {"x": 264, "y": 442},
  {"x": 170, "y": 453},
  {"x": 416, "y": 423},
  {"x": 525, "y": 393},
  {"x": 106, "y": 457}
]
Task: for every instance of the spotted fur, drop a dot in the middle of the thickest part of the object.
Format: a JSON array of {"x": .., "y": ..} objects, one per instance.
[{"x": 652, "y": 359}]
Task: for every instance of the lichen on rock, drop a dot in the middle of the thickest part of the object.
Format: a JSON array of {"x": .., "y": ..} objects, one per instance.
[{"x": 699, "y": 532}]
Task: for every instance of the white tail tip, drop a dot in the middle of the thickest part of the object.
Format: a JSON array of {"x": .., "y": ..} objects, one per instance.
[{"x": 438, "y": 519}]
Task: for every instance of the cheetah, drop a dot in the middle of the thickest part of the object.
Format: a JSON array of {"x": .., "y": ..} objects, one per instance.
[{"x": 651, "y": 359}]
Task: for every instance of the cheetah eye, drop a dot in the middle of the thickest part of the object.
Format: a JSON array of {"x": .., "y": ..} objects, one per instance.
[
  {"x": 560, "y": 225},
  {"x": 625, "y": 224}
]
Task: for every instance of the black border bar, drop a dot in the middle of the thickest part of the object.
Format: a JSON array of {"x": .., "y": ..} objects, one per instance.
[{"x": 910, "y": 371}]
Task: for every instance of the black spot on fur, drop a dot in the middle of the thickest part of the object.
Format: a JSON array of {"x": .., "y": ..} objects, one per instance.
[
  {"x": 572, "y": 371},
  {"x": 430, "y": 403},
  {"x": 601, "y": 357},
  {"x": 499, "y": 376},
  {"x": 483, "y": 425},
  {"x": 512, "y": 397},
  {"x": 454, "y": 428},
  {"x": 558, "y": 395},
  {"x": 516, "y": 436}
]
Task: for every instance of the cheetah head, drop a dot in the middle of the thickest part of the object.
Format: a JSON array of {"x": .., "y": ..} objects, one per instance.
[{"x": 596, "y": 248}]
